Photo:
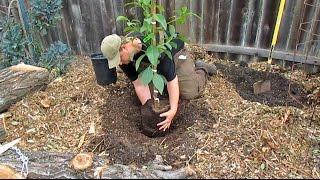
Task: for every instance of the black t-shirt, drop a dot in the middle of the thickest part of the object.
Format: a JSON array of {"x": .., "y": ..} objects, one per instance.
[{"x": 166, "y": 66}]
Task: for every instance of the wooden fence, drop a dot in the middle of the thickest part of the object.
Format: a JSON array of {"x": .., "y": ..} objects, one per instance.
[{"x": 242, "y": 27}]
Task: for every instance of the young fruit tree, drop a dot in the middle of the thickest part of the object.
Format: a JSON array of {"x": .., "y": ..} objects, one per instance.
[{"x": 158, "y": 38}]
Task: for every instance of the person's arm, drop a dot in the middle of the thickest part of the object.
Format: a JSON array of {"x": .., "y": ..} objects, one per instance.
[
  {"x": 142, "y": 91},
  {"x": 173, "y": 90}
]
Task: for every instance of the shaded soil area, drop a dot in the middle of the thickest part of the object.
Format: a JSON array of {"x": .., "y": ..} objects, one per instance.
[
  {"x": 243, "y": 79},
  {"x": 227, "y": 133}
]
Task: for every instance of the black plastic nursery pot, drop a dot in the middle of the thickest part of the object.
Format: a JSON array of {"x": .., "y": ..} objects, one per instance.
[{"x": 104, "y": 75}]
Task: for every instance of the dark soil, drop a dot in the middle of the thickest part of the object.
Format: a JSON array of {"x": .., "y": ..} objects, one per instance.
[
  {"x": 125, "y": 143},
  {"x": 243, "y": 79}
]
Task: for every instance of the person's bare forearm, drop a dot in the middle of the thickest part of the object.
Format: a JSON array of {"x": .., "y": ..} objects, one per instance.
[
  {"x": 173, "y": 90},
  {"x": 142, "y": 91}
]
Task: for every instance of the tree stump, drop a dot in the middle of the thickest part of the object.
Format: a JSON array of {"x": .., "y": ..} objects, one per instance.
[{"x": 17, "y": 81}]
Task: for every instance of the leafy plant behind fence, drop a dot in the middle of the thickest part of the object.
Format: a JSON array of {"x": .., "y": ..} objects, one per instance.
[
  {"x": 13, "y": 43},
  {"x": 44, "y": 15}
]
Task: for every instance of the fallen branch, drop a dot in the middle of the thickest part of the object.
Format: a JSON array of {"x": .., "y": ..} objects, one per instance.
[{"x": 58, "y": 165}]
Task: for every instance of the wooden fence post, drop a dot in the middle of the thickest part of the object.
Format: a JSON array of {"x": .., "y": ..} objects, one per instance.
[{"x": 26, "y": 26}]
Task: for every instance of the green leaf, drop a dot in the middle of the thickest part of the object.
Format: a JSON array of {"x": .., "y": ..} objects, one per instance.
[
  {"x": 172, "y": 30},
  {"x": 184, "y": 9},
  {"x": 196, "y": 15},
  {"x": 146, "y": 2},
  {"x": 131, "y": 24},
  {"x": 147, "y": 76},
  {"x": 147, "y": 38},
  {"x": 161, "y": 47},
  {"x": 164, "y": 79},
  {"x": 128, "y": 29},
  {"x": 158, "y": 82},
  {"x": 162, "y": 20},
  {"x": 168, "y": 45},
  {"x": 148, "y": 20},
  {"x": 183, "y": 38},
  {"x": 161, "y": 8},
  {"x": 136, "y": 21},
  {"x": 139, "y": 61},
  {"x": 146, "y": 27},
  {"x": 174, "y": 45},
  {"x": 122, "y": 18},
  {"x": 153, "y": 54},
  {"x": 168, "y": 53},
  {"x": 133, "y": 4}
]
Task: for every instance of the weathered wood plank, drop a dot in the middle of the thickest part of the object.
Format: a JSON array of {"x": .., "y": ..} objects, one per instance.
[
  {"x": 110, "y": 18},
  {"x": 88, "y": 24},
  {"x": 225, "y": 22},
  {"x": 69, "y": 26},
  {"x": 262, "y": 53},
  {"x": 286, "y": 24},
  {"x": 96, "y": 15},
  {"x": 97, "y": 22},
  {"x": 297, "y": 10},
  {"x": 169, "y": 6},
  {"x": 210, "y": 21},
  {"x": 184, "y": 29},
  {"x": 79, "y": 26},
  {"x": 118, "y": 7},
  {"x": 196, "y": 26},
  {"x": 224, "y": 15}
]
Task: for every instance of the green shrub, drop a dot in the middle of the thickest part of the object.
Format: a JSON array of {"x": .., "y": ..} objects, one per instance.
[
  {"x": 45, "y": 14},
  {"x": 12, "y": 44},
  {"x": 56, "y": 58}
]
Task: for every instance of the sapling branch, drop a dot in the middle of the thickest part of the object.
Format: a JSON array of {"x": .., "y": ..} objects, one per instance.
[{"x": 154, "y": 42}]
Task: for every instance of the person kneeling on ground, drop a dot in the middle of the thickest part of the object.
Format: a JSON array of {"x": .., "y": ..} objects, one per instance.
[{"x": 185, "y": 79}]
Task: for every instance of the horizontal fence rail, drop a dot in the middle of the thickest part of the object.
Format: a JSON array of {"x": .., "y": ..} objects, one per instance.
[{"x": 242, "y": 27}]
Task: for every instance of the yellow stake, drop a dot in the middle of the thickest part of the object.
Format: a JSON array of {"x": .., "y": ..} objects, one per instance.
[{"x": 276, "y": 29}]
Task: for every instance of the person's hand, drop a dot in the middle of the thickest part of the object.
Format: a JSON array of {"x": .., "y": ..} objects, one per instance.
[{"x": 167, "y": 122}]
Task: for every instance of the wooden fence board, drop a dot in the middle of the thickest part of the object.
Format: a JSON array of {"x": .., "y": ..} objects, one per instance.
[
  {"x": 248, "y": 23},
  {"x": 184, "y": 29},
  {"x": 68, "y": 26},
  {"x": 196, "y": 25}
]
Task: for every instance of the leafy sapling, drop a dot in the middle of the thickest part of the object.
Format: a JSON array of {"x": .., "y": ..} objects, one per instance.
[{"x": 158, "y": 38}]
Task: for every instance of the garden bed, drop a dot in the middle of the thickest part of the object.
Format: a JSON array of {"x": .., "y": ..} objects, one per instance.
[{"x": 228, "y": 133}]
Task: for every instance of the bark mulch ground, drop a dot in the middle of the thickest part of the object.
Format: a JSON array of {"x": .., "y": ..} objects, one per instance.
[{"x": 227, "y": 133}]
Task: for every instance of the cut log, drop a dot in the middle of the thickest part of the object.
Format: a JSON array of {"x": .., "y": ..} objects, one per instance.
[
  {"x": 58, "y": 165},
  {"x": 7, "y": 172},
  {"x": 18, "y": 81},
  {"x": 82, "y": 161}
]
